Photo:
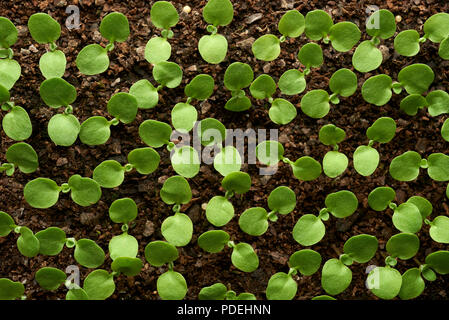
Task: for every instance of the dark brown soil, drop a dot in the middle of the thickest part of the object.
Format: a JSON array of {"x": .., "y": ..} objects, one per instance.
[{"x": 300, "y": 137}]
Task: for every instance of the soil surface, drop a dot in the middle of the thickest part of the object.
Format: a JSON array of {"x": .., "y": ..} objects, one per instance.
[{"x": 252, "y": 19}]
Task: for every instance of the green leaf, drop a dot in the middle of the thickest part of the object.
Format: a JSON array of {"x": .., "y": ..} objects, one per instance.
[
  {"x": 438, "y": 102},
  {"x": 384, "y": 282},
  {"x": 344, "y": 36},
  {"x": 171, "y": 285},
  {"x": 366, "y": 57},
  {"x": 403, "y": 246},
  {"x": 237, "y": 182},
  {"x": 412, "y": 284},
  {"x": 115, "y": 27},
  {"x": 10, "y": 290},
  {"x": 123, "y": 210},
  {"x": 4, "y": 94},
  {"x": 244, "y": 296},
  {"x": 407, "y": 218},
  {"x": 218, "y": 12},
  {"x": 164, "y": 15},
  {"x": 57, "y": 92},
  {"x": 436, "y": 27},
  {"x": 335, "y": 277},
  {"x": 263, "y": 87},
  {"x": 213, "y": 48},
  {"x": 361, "y": 248},
  {"x": 377, "y": 89},
  {"x": 109, "y": 174},
  {"x": 216, "y": 291},
  {"x": 406, "y": 43},
  {"x": 309, "y": 230},
  {"x": 95, "y": 131},
  {"x": 331, "y": 135},
  {"x": 439, "y": 229},
  {"x": 244, "y": 258},
  {"x": 334, "y": 163},
  {"x": 424, "y": 206},
  {"x": 145, "y": 93},
  {"x": 318, "y": 24},
  {"x": 443, "y": 51},
  {"x": 123, "y": 106},
  {"x": 27, "y": 244},
  {"x": 439, "y": 261},
  {"x": 176, "y": 190},
  {"x": 323, "y": 297},
  {"x": 43, "y": 28},
  {"x": 63, "y": 129},
  {"x": 17, "y": 124},
  {"x": 200, "y": 88},
  {"x": 219, "y": 211},
  {"x": 228, "y": 160},
  {"x": 238, "y": 76},
  {"x": 99, "y": 285},
  {"x": 282, "y": 111},
  {"x": 282, "y": 200},
  {"x": 211, "y": 131},
  {"x": 380, "y": 198},
  {"x": 144, "y": 160},
  {"x": 292, "y": 24},
  {"x": 406, "y": 166},
  {"x": 292, "y": 82},
  {"x": 306, "y": 261},
  {"x": 130, "y": 267},
  {"x": 92, "y": 59},
  {"x": 123, "y": 245},
  {"x": 159, "y": 253},
  {"x": 382, "y": 130},
  {"x": 254, "y": 221},
  {"x": 76, "y": 294},
  {"x": 238, "y": 104},
  {"x": 157, "y": 50},
  {"x": 177, "y": 229},
  {"x": 315, "y": 103},
  {"x": 51, "y": 241},
  {"x": 88, "y": 254},
  {"x": 270, "y": 152},
  {"x": 52, "y": 64},
  {"x": 343, "y": 82},
  {"x": 7, "y": 224},
  {"x": 267, "y": 47},
  {"x": 50, "y": 278},
  {"x": 381, "y": 24},
  {"x": 155, "y": 133},
  {"x": 342, "y": 203},
  {"x": 41, "y": 193},
  {"x": 306, "y": 169},
  {"x": 281, "y": 286},
  {"x": 365, "y": 160},
  {"x": 438, "y": 169},
  {"x": 412, "y": 103},
  {"x": 416, "y": 78},
  {"x": 213, "y": 241},
  {"x": 8, "y": 33},
  {"x": 10, "y": 71},
  {"x": 185, "y": 161},
  {"x": 311, "y": 55},
  {"x": 168, "y": 74},
  {"x": 23, "y": 156}
]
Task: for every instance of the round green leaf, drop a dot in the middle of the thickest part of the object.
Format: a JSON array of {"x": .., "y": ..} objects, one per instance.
[
  {"x": 438, "y": 169},
  {"x": 412, "y": 284},
  {"x": 218, "y": 12},
  {"x": 176, "y": 190},
  {"x": 282, "y": 200},
  {"x": 227, "y": 160},
  {"x": 50, "y": 278},
  {"x": 361, "y": 248},
  {"x": 168, "y": 74},
  {"x": 344, "y": 36},
  {"x": 177, "y": 229},
  {"x": 366, "y": 57},
  {"x": 318, "y": 24},
  {"x": 159, "y": 253},
  {"x": 436, "y": 27},
  {"x": 145, "y": 93},
  {"x": 443, "y": 51},
  {"x": 380, "y": 198},
  {"x": 412, "y": 103},
  {"x": 407, "y": 218},
  {"x": 57, "y": 92},
  {"x": 424, "y": 206},
  {"x": 51, "y": 241},
  {"x": 171, "y": 285},
  {"x": 281, "y": 286},
  {"x": 254, "y": 221},
  {"x": 43, "y": 28},
  {"x": 10, "y": 290},
  {"x": 292, "y": 24},
  {"x": 201, "y": 87},
  {"x": 306, "y": 261},
  {"x": 8, "y": 33},
  {"x": 263, "y": 87},
  {"x": 213, "y": 241},
  {"x": 213, "y": 48},
  {"x": 211, "y": 131},
  {"x": 115, "y": 27},
  {"x": 23, "y": 156},
  {"x": 343, "y": 82},
  {"x": 315, "y": 103},
  {"x": 237, "y": 182},
  {"x": 403, "y": 246},
  {"x": 292, "y": 82},
  {"x": 27, "y": 244},
  {"x": 406, "y": 43},
  {"x": 130, "y": 267},
  {"x": 416, "y": 78},
  {"x": 219, "y": 211},
  {"x": 382, "y": 130},
  {"x": 306, "y": 168},
  {"x": 381, "y": 24},
  {"x": 92, "y": 59},
  {"x": 123, "y": 245},
  {"x": 216, "y": 291},
  {"x": 377, "y": 89},
  {"x": 164, "y": 15},
  {"x": 155, "y": 133},
  {"x": 123, "y": 210},
  {"x": 41, "y": 193},
  {"x": 406, "y": 166},
  {"x": 63, "y": 129},
  {"x": 331, "y": 135},
  {"x": 335, "y": 277},
  {"x": 445, "y": 130},
  {"x": 76, "y": 294},
  {"x": 95, "y": 131},
  {"x": 53, "y": 64},
  {"x": 270, "y": 152},
  {"x": 185, "y": 161},
  {"x": 439, "y": 229},
  {"x": 282, "y": 111},
  {"x": 238, "y": 76},
  {"x": 109, "y": 174},
  {"x": 123, "y": 106},
  {"x": 99, "y": 285},
  {"x": 10, "y": 71},
  {"x": 267, "y": 47},
  {"x": 157, "y": 50},
  {"x": 244, "y": 257},
  {"x": 88, "y": 254},
  {"x": 334, "y": 163},
  {"x": 439, "y": 261},
  {"x": 384, "y": 282},
  {"x": 4, "y": 94},
  {"x": 438, "y": 102},
  {"x": 308, "y": 230},
  {"x": 7, "y": 224},
  {"x": 311, "y": 55},
  {"x": 84, "y": 191},
  {"x": 342, "y": 203},
  {"x": 144, "y": 160},
  {"x": 366, "y": 160},
  {"x": 238, "y": 104}
]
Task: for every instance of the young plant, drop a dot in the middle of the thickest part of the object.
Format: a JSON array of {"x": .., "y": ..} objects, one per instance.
[
  {"x": 334, "y": 162},
  {"x": 310, "y": 229},
  {"x": 437, "y": 103},
  {"x": 16, "y": 123},
  {"x": 335, "y": 275},
  {"x": 218, "y": 291},
  {"x": 22, "y": 156},
  {"x": 282, "y": 286},
  {"x": 219, "y": 209},
  {"x": 10, "y": 69},
  {"x": 93, "y": 59},
  {"x": 238, "y": 76},
  {"x": 43, "y": 193},
  {"x": 10, "y": 290},
  {"x": 316, "y": 103},
  {"x": 163, "y": 16},
  {"x": 214, "y": 47},
  {"x": 254, "y": 221},
  {"x": 243, "y": 256},
  {"x": 46, "y": 30},
  {"x": 171, "y": 285},
  {"x": 366, "y": 158},
  {"x": 385, "y": 282},
  {"x": 268, "y": 47},
  {"x": 380, "y": 25}
]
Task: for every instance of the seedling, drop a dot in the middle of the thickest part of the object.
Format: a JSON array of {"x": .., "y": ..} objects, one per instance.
[
  {"x": 98, "y": 285},
  {"x": 218, "y": 291},
  {"x": 237, "y": 77},
  {"x": 43, "y": 193},
  {"x": 27, "y": 243},
  {"x": 271, "y": 152},
  {"x": 445, "y": 130},
  {"x": 163, "y": 16},
  {"x": 437, "y": 103},
  {"x": 254, "y": 221},
  {"x": 219, "y": 210},
  {"x": 22, "y": 156},
  {"x": 268, "y": 47},
  {"x": 335, "y": 275},
  {"x": 316, "y": 103},
  {"x": 243, "y": 256},
  {"x": 334, "y": 162},
  {"x": 214, "y": 47},
  {"x": 93, "y": 59},
  {"x": 16, "y": 123},
  {"x": 46, "y": 30},
  {"x": 171, "y": 285},
  {"x": 282, "y": 286},
  {"x": 366, "y": 158},
  {"x": 10, "y": 69},
  {"x": 10, "y": 290},
  {"x": 380, "y": 25},
  {"x": 310, "y": 229}
]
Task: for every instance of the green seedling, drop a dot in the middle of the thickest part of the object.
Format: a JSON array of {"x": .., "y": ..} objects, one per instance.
[
  {"x": 243, "y": 256},
  {"x": 436, "y": 102},
  {"x": 268, "y": 46},
  {"x": 218, "y": 291},
  {"x": 282, "y": 286},
  {"x": 171, "y": 285},
  {"x": 184, "y": 115},
  {"x": 380, "y": 25},
  {"x": 214, "y": 47},
  {"x": 219, "y": 210},
  {"x": 93, "y": 59},
  {"x": 27, "y": 243},
  {"x": 334, "y": 162},
  {"x": 270, "y": 152},
  {"x": 366, "y": 158},
  {"x": 316, "y": 103},
  {"x": 237, "y": 77},
  {"x": 46, "y": 30},
  {"x": 10, "y": 69},
  {"x": 10, "y": 290},
  {"x": 310, "y": 229},
  {"x": 335, "y": 275},
  {"x": 163, "y": 16},
  {"x": 43, "y": 193},
  {"x": 16, "y": 123},
  {"x": 22, "y": 156}
]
